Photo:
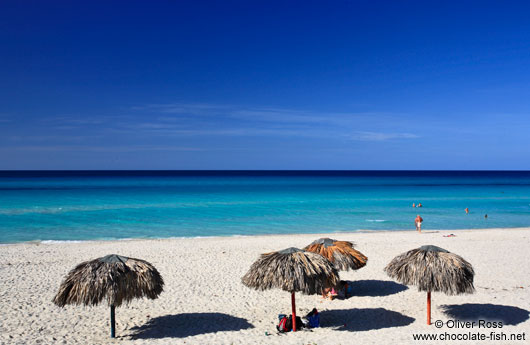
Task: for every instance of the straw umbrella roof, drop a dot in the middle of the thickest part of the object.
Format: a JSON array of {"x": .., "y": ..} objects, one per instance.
[
  {"x": 432, "y": 268},
  {"x": 292, "y": 270},
  {"x": 113, "y": 278},
  {"x": 341, "y": 253}
]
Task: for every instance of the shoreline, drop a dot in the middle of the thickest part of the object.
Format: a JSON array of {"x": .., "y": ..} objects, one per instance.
[{"x": 319, "y": 234}]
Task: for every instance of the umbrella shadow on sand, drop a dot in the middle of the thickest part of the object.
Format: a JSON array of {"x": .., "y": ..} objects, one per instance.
[
  {"x": 375, "y": 288},
  {"x": 189, "y": 324},
  {"x": 508, "y": 315},
  {"x": 365, "y": 319}
]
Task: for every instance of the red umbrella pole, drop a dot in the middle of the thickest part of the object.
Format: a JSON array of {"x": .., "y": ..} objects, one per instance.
[
  {"x": 294, "y": 311},
  {"x": 428, "y": 307}
]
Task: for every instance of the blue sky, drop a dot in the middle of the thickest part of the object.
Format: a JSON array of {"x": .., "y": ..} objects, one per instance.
[{"x": 264, "y": 85}]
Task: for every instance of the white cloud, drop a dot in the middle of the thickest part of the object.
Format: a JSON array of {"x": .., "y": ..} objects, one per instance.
[
  {"x": 186, "y": 120},
  {"x": 380, "y": 136}
]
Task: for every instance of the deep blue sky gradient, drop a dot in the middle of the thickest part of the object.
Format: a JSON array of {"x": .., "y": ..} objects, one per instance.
[{"x": 264, "y": 85}]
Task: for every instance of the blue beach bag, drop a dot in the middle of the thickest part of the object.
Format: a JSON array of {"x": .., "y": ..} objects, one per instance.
[
  {"x": 314, "y": 321},
  {"x": 314, "y": 318}
]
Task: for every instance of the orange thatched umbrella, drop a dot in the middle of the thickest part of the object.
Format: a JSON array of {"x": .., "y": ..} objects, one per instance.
[
  {"x": 291, "y": 270},
  {"x": 113, "y": 278},
  {"x": 432, "y": 268},
  {"x": 340, "y": 253}
]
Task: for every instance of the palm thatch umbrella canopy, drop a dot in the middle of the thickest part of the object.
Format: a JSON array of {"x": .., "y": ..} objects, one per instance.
[
  {"x": 340, "y": 253},
  {"x": 113, "y": 278},
  {"x": 432, "y": 268},
  {"x": 292, "y": 270}
]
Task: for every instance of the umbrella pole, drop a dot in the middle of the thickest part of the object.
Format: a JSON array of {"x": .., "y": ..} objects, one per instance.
[
  {"x": 428, "y": 307},
  {"x": 294, "y": 311},
  {"x": 112, "y": 322}
]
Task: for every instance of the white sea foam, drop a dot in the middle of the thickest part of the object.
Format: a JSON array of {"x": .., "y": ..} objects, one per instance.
[{"x": 376, "y": 220}]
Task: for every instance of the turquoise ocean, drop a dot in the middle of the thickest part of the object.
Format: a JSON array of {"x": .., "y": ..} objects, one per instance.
[{"x": 88, "y": 205}]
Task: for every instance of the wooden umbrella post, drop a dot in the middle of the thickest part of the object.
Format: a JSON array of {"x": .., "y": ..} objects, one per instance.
[
  {"x": 294, "y": 311},
  {"x": 428, "y": 307},
  {"x": 112, "y": 322}
]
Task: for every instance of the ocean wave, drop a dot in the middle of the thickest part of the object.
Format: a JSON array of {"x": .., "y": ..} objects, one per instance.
[
  {"x": 105, "y": 239},
  {"x": 376, "y": 220},
  {"x": 85, "y": 208}
]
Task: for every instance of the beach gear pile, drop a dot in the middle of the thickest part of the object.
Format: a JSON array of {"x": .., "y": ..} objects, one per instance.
[{"x": 311, "y": 320}]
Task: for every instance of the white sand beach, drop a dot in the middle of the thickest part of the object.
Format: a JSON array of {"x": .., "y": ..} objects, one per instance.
[{"x": 204, "y": 301}]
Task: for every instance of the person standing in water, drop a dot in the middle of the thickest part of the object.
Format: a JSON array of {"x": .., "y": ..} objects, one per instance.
[
  {"x": 467, "y": 210},
  {"x": 418, "y": 222}
]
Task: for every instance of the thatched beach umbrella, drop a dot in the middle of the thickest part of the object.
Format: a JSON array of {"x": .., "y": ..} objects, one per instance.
[
  {"x": 113, "y": 278},
  {"x": 432, "y": 268},
  {"x": 292, "y": 270},
  {"x": 340, "y": 253}
]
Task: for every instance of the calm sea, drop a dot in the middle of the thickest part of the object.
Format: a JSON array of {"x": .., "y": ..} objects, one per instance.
[{"x": 84, "y": 205}]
